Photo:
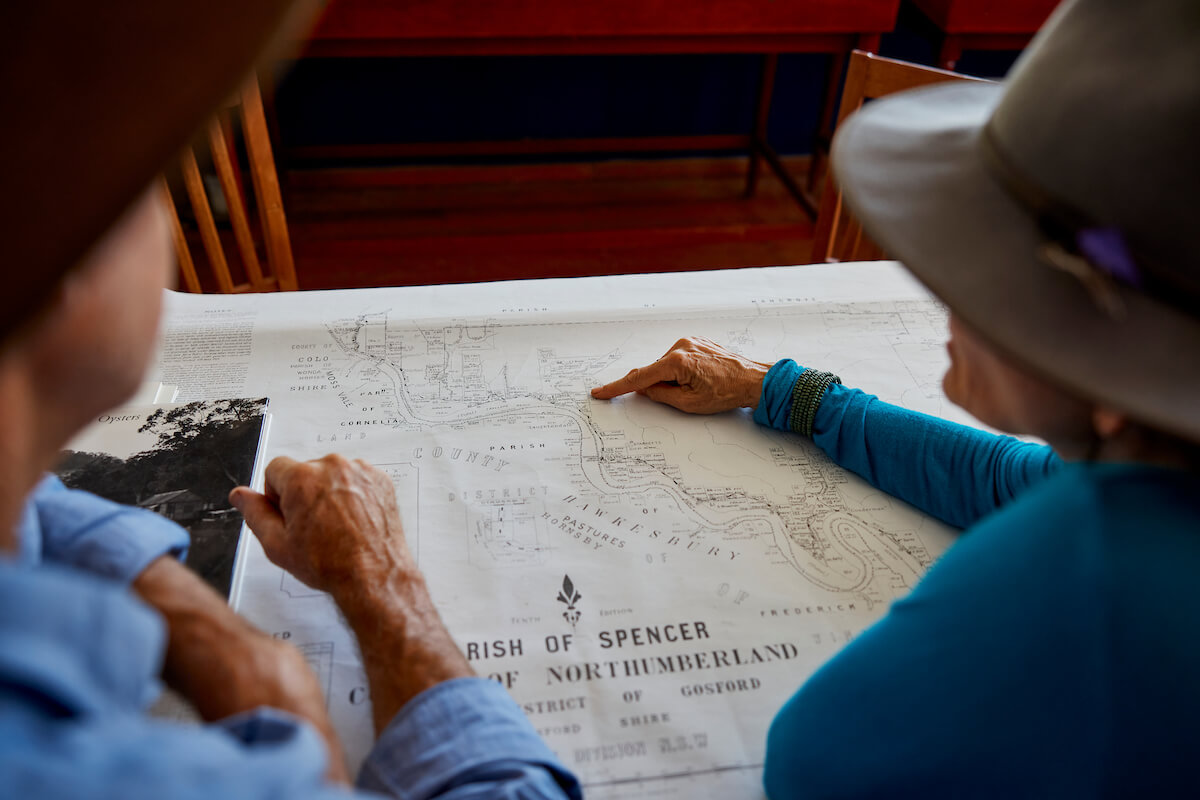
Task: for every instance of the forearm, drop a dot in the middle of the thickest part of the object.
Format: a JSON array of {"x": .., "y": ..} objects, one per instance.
[
  {"x": 222, "y": 664},
  {"x": 405, "y": 647},
  {"x": 954, "y": 472},
  {"x": 333, "y": 523}
]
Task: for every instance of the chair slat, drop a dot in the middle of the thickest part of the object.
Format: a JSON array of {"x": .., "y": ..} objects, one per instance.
[
  {"x": 204, "y": 219},
  {"x": 182, "y": 254},
  {"x": 233, "y": 199},
  {"x": 837, "y": 236},
  {"x": 268, "y": 266},
  {"x": 266, "y": 188}
]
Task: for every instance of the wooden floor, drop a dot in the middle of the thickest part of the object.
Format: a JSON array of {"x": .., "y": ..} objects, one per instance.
[{"x": 418, "y": 225}]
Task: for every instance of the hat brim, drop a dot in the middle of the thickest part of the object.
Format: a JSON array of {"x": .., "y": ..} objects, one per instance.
[
  {"x": 911, "y": 170},
  {"x": 100, "y": 97}
]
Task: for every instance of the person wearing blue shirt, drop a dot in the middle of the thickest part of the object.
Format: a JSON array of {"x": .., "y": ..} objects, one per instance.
[
  {"x": 96, "y": 611},
  {"x": 1053, "y": 650}
]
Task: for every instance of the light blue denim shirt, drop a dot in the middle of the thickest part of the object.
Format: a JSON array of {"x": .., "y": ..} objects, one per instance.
[{"x": 79, "y": 662}]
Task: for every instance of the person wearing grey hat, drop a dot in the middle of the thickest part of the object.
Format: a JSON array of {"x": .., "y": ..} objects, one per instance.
[
  {"x": 95, "y": 607},
  {"x": 1053, "y": 651}
]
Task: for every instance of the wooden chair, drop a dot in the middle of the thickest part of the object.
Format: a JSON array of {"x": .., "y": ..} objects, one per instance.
[
  {"x": 250, "y": 242},
  {"x": 838, "y": 236}
]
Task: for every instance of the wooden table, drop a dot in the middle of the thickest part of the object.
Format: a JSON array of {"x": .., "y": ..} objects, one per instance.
[
  {"x": 387, "y": 28},
  {"x": 984, "y": 24}
]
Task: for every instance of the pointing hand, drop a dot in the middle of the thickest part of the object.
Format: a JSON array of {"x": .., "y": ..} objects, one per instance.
[{"x": 696, "y": 375}]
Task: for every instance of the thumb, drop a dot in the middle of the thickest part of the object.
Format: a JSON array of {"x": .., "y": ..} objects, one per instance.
[
  {"x": 261, "y": 515},
  {"x": 674, "y": 396}
]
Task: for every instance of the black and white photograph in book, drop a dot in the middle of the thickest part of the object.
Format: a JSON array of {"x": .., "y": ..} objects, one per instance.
[{"x": 179, "y": 461}]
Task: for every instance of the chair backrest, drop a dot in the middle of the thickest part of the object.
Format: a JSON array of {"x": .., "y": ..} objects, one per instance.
[
  {"x": 245, "y": 242},
  {"x": 838, "y": 236}
]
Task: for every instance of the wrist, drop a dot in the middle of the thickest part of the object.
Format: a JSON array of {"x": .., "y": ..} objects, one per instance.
[
  {"x": 752, "y": 383},
  {"x": 380, "y": 591},
  {"x": 776, "y": 394},
  {"x": 405, "y": 647},
  {"x": 807, "y": 394}
]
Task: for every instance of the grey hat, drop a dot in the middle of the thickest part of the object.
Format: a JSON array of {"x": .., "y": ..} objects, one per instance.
[{"x": 1058, "y": 213}]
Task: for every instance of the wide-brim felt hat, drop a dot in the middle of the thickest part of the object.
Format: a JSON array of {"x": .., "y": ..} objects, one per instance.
[
  {"x": 1057, "y": 213},
  {"x": 97, "y": 98}
]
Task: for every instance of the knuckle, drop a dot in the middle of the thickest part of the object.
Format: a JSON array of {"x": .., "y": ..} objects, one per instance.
[
  {"x": 376, "y": 475},
  {"x": 303, "y": 481},
  {"x": 335, "y": 461},
  {"x": 338, "y": 469}
]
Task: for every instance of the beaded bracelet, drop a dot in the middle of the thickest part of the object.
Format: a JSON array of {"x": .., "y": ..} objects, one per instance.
[{"x": 806, "y": 397}]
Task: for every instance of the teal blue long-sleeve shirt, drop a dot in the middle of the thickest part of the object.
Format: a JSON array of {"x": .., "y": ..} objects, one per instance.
[{"x": 1054, "y": 651}]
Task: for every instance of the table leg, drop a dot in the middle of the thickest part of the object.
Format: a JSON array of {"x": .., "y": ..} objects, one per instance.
[
  {"x": 870, "y": 42},
  {"x": 829, "y": 101},
  {"x": 762, "y": 116},
  {"x": 760, "y": 148},
  {"x": 951, "y": 52}
]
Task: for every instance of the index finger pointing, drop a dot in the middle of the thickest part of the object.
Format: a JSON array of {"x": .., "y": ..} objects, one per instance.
[
  {"x": 276, "y": 474},
  {"x": 261, "y": 515},
  {"x": 637, "y": 379}
]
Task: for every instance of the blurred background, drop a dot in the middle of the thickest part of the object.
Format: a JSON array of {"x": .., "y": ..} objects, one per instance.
[{"x": 461, "y": 140}]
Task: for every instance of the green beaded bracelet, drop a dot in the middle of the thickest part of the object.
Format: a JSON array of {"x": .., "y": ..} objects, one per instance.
[{"x": 806, "y": 397}]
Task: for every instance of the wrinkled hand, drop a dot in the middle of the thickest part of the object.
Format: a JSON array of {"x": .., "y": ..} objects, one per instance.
[
  {"x": 332, "y": 523},
  {"x": 696, "y": 375}
]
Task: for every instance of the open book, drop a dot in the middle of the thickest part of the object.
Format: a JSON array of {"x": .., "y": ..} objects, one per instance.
[{"x": 179, "y": 461}]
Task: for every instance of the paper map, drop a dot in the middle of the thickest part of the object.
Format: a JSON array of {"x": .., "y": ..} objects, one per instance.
[{"x": 650, "y": 586}]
